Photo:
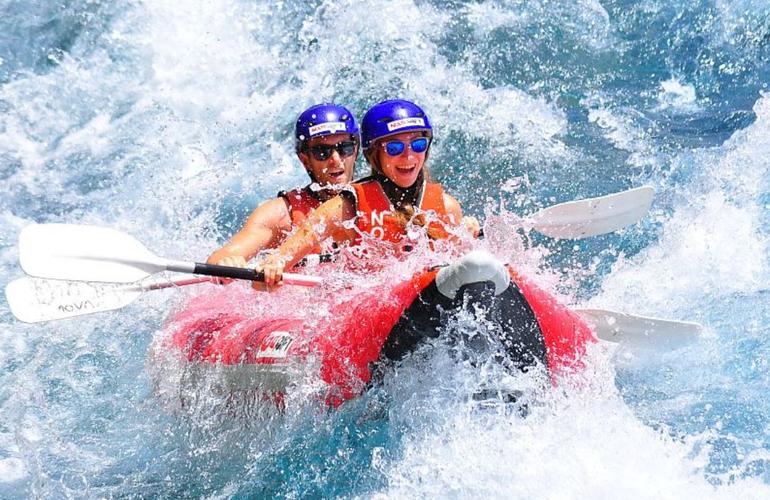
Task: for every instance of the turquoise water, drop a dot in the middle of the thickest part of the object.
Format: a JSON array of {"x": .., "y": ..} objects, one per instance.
[{"x": 172, "y": 120}]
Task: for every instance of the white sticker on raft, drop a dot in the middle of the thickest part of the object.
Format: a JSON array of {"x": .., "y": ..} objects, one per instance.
[
  {"x": 329, "y": 127},
  {"x": 405, "y": 122},
  {"x": 276, "y": 345}
]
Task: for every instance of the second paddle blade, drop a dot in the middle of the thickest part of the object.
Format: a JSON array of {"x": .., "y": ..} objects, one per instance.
[
  {"x": 84, "y": 253},
  {"x": 594, "y": 216},
  {"x": 35, "y": 300},
  {"x": 641, "y": 331}
]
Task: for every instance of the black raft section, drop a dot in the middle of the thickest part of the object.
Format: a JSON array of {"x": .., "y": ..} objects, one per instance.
[{"x": 520, "y": 342}]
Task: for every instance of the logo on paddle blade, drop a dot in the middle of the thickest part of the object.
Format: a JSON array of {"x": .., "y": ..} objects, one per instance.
[{"x": 76, "y": 306}]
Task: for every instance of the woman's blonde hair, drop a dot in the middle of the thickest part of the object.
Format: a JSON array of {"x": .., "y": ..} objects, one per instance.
[{"x": 408, "y": 214}]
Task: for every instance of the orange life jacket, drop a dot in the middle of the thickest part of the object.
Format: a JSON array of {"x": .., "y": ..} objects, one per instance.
[{"x": 374, "y": 211}]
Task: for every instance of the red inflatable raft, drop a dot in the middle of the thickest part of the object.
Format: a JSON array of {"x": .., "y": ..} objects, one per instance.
[{"x": 265, "y": 353}]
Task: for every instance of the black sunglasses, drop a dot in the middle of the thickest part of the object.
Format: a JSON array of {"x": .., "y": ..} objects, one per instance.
[{"x": 322, "y": 152}]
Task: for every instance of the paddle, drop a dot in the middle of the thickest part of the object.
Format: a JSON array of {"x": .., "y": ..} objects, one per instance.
[
  {"x": 593, "y": 216},
  {"x": 91, "y": 253},
  {"x": 36, "y": 300},
  {"x": 640, "y": 331},
  {"x": 574, "y": 220}
]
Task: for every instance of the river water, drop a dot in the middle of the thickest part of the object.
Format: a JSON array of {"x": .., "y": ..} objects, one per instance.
[{"x": 171, "y": 120}]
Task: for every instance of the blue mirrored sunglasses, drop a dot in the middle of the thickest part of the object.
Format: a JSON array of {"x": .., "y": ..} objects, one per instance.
[{"x": 395, "y": 148}]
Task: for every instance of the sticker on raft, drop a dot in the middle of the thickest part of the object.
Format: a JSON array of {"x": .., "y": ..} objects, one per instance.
[
  {"x": 276, "y": 345},
  {"x": 405, "y": 122},
  {"x": 330, "y": 127}
]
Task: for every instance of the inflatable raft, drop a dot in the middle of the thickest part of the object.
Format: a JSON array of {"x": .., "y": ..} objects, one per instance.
[{"x": 374, "y": 327}]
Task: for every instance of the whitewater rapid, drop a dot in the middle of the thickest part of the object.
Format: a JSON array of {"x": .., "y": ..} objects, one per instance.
[{"x": 172, "y": 120}]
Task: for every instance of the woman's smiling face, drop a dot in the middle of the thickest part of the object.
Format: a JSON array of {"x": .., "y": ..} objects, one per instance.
[{"x": 403, "y": 168}]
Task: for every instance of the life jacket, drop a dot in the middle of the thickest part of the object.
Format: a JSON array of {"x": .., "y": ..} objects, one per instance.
[
  {"x": 374, "y": 211},
  {"x": 300, "y": 202}
]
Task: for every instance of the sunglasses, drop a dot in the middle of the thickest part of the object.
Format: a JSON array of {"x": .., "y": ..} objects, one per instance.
[
  {"x": 395, "y": 148},
  {"x": 323, "y": 152}
]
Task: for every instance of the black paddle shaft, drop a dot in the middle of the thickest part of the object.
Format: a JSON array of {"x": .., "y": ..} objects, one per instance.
[{"x": 240, "y": 273}]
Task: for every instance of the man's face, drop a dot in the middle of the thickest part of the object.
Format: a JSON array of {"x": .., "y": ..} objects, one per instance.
[{"x": 331, "y": 158}]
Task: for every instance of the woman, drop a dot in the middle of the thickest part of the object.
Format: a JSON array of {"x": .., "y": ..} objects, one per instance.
[
  {"x": 326, "y": 142},
  {"x": 396, "y": 137}
]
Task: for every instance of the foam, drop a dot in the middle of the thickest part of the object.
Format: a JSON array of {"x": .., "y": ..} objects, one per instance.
[
  {"x": 179, "y": 113},
  {"x": 12, "y": 469}
]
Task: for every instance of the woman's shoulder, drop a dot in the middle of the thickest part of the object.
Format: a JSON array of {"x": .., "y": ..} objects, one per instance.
[
  {"x": 452, "y": 206},
  {"x": 362, "y": 187}
]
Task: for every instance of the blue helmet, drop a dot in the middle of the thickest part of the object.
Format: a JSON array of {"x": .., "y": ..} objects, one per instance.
[
  {"x": 392, "y": 117},
  {"x": 323, "y": 119}
]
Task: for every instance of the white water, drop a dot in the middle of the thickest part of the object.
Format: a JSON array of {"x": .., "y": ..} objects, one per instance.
[{"x": 172, "y": 120}]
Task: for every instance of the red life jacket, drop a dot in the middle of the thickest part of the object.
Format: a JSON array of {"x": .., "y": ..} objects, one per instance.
[
  {"x": 375, "y": 211},
  {"x": 300, "y": 202}
]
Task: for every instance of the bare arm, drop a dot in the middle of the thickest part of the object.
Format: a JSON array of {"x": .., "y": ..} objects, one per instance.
[
  {"x": 471, "y": 224},
  {"x": 453, "y": 209},
  {"x": 265, "y": 228},
  {"x": 324, "y": 222}
]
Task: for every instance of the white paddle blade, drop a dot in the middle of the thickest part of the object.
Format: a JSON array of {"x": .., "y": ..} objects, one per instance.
[
  {"x": 640, "y": 331},
  {"x": 594, "y": 216},
  {"x": 85, "y": 253},
  {"x": 36, "y": 300}
]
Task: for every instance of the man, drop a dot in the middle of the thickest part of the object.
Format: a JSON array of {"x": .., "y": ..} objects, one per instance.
[{"x": 327, "y": 141}]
